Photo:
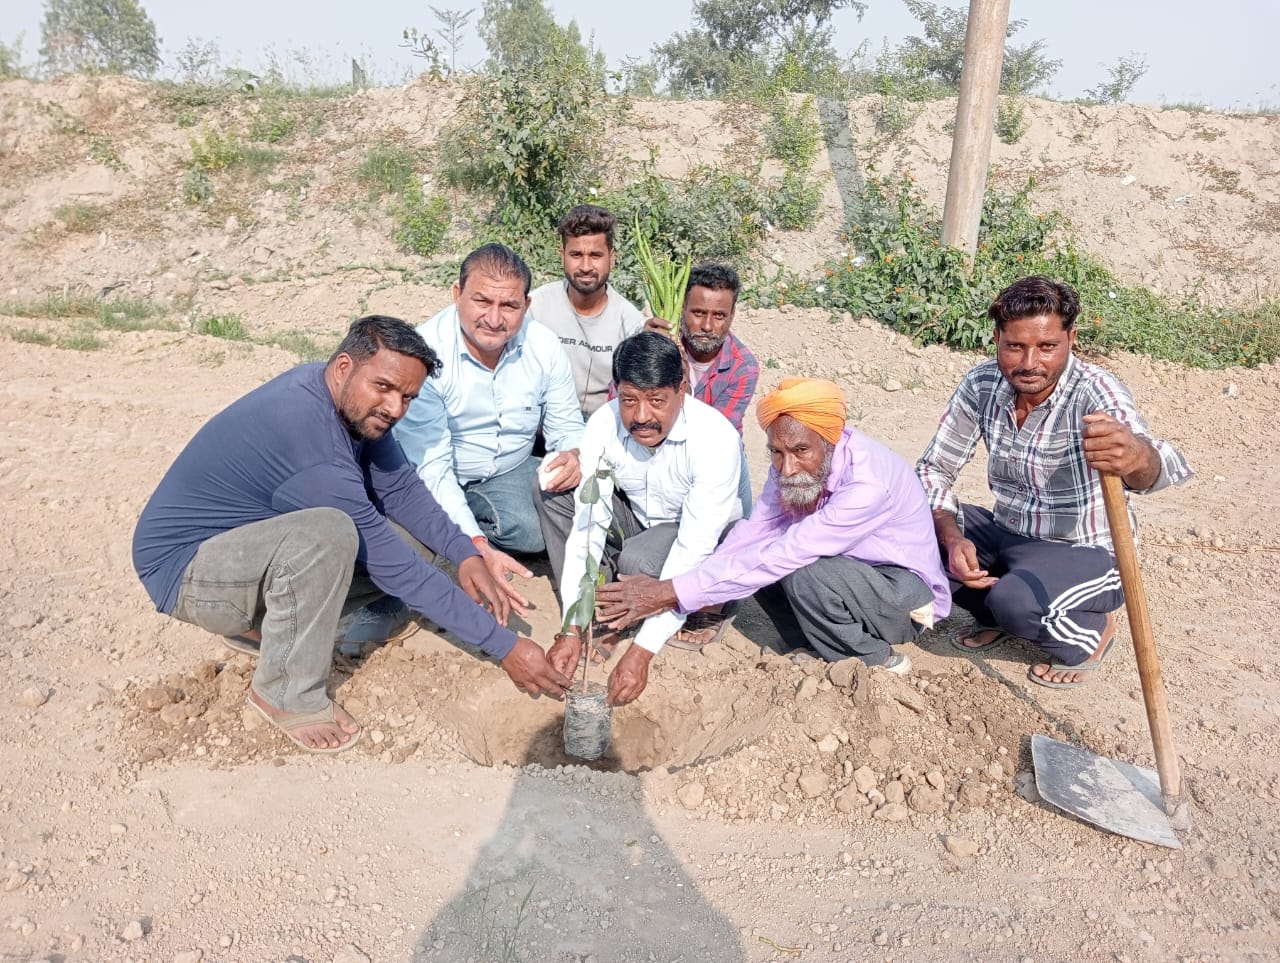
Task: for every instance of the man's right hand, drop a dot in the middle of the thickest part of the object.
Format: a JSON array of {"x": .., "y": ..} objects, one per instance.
[
  {"x": 532, "y": 673},
  {"x": 962, "y": 561},
  {"x": 565, "y": 653}
]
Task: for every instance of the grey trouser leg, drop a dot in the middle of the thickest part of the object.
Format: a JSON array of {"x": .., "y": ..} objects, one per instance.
[
  {"x": 556, "y": 517},
  {"x": 291, "y": 576},
  {"x": 848, "y": 608}
]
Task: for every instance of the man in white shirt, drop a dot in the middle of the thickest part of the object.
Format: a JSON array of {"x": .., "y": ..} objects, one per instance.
[
  {"x": 669, "y": 470},
  {"x": 470, "y": 431},
  {"x": 584, "y": 310}
]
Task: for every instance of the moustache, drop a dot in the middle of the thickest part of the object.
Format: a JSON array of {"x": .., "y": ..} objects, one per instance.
[
  {"x": 1029, "y": 373},
  {"x": 645, "y": 426}
]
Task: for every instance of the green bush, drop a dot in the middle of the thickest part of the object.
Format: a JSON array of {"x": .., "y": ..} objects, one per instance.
[
  {"x": 197, "y": 188},
  {"x": 1011, "y": 120},
  {"x": 80, "y": 218},
  {"x": 272, "y": 124},
  {"x": 423, "y": 222},
  {"x": 216, "y": 152},
  {"x": 895, "y": 269},
  {"x": 792, "y": 134},
  {"x": 387, "y": 169},
  {"x": 530, "y": 141},
  {"x": 794, "y": 201}
]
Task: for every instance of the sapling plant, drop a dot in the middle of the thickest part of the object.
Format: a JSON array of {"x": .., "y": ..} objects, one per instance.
[{"x": 664, "y": 280}]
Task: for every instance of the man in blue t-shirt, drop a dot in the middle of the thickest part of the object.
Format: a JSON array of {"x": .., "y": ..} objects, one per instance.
[{"x": 275, "y": 519}]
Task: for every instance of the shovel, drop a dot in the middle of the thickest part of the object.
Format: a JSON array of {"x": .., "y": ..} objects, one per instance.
[{"x": 1117, "y": 796}]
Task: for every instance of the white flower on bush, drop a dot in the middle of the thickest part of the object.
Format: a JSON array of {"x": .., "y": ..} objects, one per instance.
[
  {"x": 821, "y": 289},
  {"x": 782, "y": 285},
  {"x": 858, "y": 261}
]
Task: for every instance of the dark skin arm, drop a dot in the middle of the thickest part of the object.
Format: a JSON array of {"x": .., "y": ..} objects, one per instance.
[
  {"x": 1111, "y": 446},
  {"x": 498, "y": 567},
  {"x": 633, "y": 598},
  {"x": 626, "y": 681},
  {"x": 961, "y": 553},
  {"x": 530, "y": 671}
]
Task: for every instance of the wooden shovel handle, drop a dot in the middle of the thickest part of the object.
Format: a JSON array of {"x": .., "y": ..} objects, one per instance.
[{"x": 1144, "y": 643}]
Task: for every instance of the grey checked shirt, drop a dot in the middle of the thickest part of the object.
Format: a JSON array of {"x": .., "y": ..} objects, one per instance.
[{"x": 1042, "y": 485}]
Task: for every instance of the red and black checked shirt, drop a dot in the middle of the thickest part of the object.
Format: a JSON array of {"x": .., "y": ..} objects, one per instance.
[{"x": 730, "y": 381}]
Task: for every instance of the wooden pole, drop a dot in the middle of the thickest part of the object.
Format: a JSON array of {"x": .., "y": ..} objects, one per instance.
[
  {"x": 975, "y": 122},
  {"x": 1144, "y": 642}
]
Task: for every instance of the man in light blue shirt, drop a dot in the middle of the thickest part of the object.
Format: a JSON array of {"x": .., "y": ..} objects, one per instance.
[{"x": 471, "y": 431}]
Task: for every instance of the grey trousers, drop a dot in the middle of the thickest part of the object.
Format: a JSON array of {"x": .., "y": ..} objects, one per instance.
[
  {"x": 291, "y": 577},
  {"x": 629, "y": 549},
  {"x": 843, "y": 608}
]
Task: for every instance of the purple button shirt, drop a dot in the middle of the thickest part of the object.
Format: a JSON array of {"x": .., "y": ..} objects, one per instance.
[{"x": 873, "y": 510}]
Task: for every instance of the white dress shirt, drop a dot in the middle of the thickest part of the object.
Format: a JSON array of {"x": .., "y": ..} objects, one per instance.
[
  {"x": 697, "y": 477},
  {"x": 470, "y": 423}
]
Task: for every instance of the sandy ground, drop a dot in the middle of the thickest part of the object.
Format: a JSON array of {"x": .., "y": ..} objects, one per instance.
[{"x": 781, "y": 811}]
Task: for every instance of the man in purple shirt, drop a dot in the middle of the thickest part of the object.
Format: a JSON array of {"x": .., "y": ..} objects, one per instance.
[
  {"x": 276, "y": 518},
  {"x": 842, "y": 530}
]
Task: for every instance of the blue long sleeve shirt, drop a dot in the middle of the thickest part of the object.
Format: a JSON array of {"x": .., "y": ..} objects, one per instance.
[{"x": 283, "y": 448}]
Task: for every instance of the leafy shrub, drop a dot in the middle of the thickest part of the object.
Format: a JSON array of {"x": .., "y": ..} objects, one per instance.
[
  {"x": 894, "y": 268},
  {"x": 794, "y": 201},
  {"x": 272, "y": 124},
  {"x": 791, "y": 133},
  {"x": 530, "y": 141},
  {"x": 216, "y": 152},
  {"x": 387, "y": 169},
  {"x": 1011, "y": 120},
  {"x": 423, "y": 221},
  {"x": 197, "y": 188}
]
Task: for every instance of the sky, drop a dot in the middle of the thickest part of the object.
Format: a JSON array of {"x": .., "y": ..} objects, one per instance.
[{"x": 1220, "y": 54}]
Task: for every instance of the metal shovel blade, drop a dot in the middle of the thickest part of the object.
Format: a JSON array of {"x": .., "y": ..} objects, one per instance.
[{"x": 1115, "y": 796}]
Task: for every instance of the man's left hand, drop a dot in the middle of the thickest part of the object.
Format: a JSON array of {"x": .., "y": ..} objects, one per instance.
[
  {"x": 633, "y": 598},
  {"x": 1111, "y": 446},
  {"x": 629, "y": 676},
  {"x": 565, "y": 471},
  {"x": 484, "y": 578}
]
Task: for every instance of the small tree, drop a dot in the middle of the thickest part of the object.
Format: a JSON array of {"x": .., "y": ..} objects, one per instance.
[
  {"x": 452, "y": 25},
  {"x": 109, "y": 36},
  {"x": 733, "y": 35},
  {"x": 1124, "y": 75}
]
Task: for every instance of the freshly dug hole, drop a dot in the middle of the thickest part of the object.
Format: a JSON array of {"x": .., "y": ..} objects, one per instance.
[{"x": 664, "y": 727}]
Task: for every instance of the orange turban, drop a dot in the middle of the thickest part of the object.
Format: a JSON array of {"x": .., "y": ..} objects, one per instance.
[{"x": 813, "y": 402}]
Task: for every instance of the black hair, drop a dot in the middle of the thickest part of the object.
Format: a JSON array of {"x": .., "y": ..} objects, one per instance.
[
  {"x": 1033, "y": 296},
  {"x": 498, "y": 260},
  {"x": 586, "y": 219},
  {"x": 648, "y": 360},
  {"x": 715, "y": 275},
  {"x": 368, "y": 335}
]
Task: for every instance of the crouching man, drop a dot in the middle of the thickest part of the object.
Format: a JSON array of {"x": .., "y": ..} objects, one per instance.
[
  {"x": 275, "y": 520},
  {"x": 664, "y": 479},
  {"x": 842, "y": 536}
]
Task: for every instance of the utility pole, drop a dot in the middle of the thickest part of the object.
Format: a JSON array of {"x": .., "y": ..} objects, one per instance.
[{"x": 975, "y": 122}]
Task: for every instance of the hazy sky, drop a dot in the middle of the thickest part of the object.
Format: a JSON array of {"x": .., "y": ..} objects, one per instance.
[{"x": 1219, "y": 53}]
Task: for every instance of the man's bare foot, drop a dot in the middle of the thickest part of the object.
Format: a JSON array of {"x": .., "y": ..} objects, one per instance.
[
  {"x": 330, "y": 730},
  {"x": 1064, "y": 675}
]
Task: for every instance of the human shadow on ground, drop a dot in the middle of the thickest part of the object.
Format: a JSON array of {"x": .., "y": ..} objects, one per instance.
[{"x": 576, "y": 871}]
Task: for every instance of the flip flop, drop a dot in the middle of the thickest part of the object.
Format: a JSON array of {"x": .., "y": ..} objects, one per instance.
[
  {"x": 243, "y": 645},
  {"x": 1000, "y": 636},
  {"x": 298, "y": 720},
  {"x": 1085, "y": 667},
  {"x": 700, "y": 622}
]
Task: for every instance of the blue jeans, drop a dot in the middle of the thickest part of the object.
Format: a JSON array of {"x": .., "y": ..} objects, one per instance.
[{"x": 503, "y": 508}]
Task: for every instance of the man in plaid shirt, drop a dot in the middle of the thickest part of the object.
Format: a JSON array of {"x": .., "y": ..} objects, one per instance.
[
  {"x": 722, "y": 370},
  {"x": 1039, "y": 565}
]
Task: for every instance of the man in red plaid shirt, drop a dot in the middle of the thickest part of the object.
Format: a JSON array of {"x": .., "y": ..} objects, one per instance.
[{"x": 722, "y": 370}]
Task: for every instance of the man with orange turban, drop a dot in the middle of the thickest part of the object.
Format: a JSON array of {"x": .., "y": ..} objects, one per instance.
[{"x": 840, "y": 546}]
